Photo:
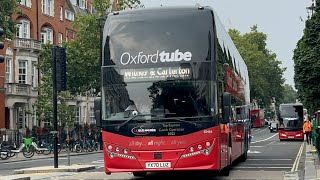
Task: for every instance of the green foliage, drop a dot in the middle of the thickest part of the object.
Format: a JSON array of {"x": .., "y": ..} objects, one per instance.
[
  {"x": 102, "y": 6},
  {"x": 290, "y": 95},
  {"x": 307, "y": 64},
  {"x": 43, "y": 103},
  {"x": 83, "y": 56},
  {"x": 129, "y": 4},
  {"x": 7, "y": 9},
  {"x": 265, "y": 73}
]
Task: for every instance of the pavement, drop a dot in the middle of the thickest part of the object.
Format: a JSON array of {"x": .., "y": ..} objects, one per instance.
[
  {"x": 312, "y": 163},
  {"x": 19, "y": 157}
]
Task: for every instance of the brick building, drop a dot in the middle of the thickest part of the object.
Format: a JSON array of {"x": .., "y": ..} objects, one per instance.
[{"x": 41, "y": 21}]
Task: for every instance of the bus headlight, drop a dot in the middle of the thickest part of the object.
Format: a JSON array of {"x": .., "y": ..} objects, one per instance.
[
  {"x": 204, "y": 148},
  {"x": 119, "y": 152}
]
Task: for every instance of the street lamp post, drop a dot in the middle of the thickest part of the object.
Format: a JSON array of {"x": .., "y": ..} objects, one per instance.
[{"x": 101, "y": 21}]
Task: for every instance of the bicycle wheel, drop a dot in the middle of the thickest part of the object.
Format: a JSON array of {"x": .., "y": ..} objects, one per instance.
[
  {"x": 96, "y": 146},
  {"x": 28, "y": 152},
  {"x": 47, "y": 151},
  {"x": 39, "y": 151},
  {"x": 4, "y": 154},
  {"x": 78, "y": 148}
]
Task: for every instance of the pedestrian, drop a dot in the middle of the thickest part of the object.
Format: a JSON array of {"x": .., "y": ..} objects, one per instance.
[{"x": 307, "y": 129}]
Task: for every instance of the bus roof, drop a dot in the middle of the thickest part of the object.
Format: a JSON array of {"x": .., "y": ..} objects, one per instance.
[{"x": 157, "y": 10}]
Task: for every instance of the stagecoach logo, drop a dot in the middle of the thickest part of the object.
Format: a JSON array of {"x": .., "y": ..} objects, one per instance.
[
  {"x": 142, "y": 130},
  {"x": 176, "y": 56}
]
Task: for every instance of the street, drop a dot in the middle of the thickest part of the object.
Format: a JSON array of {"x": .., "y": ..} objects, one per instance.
[{"x": 268, "y": 158}]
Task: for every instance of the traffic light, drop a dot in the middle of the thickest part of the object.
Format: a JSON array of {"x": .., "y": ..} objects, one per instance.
[
  {"x": 1, "y": 45},
  {"x": 61, "y": 68}
]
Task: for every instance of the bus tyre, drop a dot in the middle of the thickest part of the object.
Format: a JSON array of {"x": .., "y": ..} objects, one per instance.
[
  {"x": 139, "y": 174},
  {"x": 225, "y": 171}
]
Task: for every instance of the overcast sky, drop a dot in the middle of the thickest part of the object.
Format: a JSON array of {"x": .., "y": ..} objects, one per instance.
[{"x": 279, "y": 19}]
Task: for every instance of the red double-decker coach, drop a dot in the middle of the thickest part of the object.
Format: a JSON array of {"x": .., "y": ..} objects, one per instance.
[{"x": 175, "y": 92}]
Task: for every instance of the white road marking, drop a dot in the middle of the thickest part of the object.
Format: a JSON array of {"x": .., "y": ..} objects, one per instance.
[
  {"x": 297, "y": 160},
  {"x": 257, "y": 167},
  {"x": 270, "y": 165},
  {"x": 264, "y": 139},
  {"x": 269, "y": 159},
  {"x": 256, "y": 146},
  {"x": 253, "y": 152}
]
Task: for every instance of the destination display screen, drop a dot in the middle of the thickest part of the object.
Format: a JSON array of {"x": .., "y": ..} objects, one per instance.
[{"x": 155, "y": 74}]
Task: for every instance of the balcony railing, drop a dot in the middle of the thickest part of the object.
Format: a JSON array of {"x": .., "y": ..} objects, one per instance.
[
  {"x": 20, "y": 89},
  {"x": 23, "y": 43}
]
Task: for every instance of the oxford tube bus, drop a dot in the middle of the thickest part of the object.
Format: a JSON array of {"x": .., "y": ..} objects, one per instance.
[
  {"x": 175, "y": 92},
  {"x": 291, "y": 121}
]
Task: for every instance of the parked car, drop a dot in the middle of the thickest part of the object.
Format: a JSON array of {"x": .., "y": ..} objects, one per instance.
[{"x": 273, "y": 127}]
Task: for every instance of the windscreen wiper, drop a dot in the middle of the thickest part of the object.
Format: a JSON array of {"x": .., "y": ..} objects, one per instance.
[{"x": 124, "y": 123}]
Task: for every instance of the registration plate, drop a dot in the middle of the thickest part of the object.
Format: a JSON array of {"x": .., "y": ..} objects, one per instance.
[
  {"x": 290, "y": 137},
  {"x": 153, "y": 165}
]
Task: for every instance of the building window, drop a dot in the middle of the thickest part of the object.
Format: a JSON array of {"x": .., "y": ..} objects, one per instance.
[
  {"x": 61, "y": 13},
  {"x": 69, "y": 15},
  {"x": 47, "y": 35},
  {"x": 8, "y": 68},
  {"x": 60, "y": 39},
  {"x": 22, "y": 72},
  {"x": 46, "y": 123},
  {"x": 92, "y": 119},
  {"x": 77, "y": 115},
  {"x": 48, "y": 7},
  {"x": 83, "y": 4},
  {"x": 34, "y": 71},
  {"x": 23, "y": 29},
  {"x": 26, "y": 3}
]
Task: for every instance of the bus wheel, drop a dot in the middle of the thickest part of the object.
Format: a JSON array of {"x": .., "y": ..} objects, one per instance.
[
  {"x": 139, "y": 174},
  {"x": 225, "y": 171}
]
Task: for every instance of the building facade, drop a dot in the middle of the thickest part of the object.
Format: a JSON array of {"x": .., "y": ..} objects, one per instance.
[{"x": 41, "y": 21}]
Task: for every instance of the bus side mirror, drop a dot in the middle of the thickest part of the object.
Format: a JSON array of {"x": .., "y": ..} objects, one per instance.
[
  {"x": 226, "y": 102},
  {"x": 97, "y": 111}
]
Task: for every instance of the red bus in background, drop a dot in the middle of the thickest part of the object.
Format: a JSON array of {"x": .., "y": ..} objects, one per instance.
[
  {"x": 291, "y": 117},
  {"x": 257, "y": 118},
  {"x": 175, "y": 93}
]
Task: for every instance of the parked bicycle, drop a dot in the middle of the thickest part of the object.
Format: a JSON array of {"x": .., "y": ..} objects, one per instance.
[
  {"x": 49, "y": 147},
  {"x": 86, "y": 146},
  {"x": 28, "y": 148}
]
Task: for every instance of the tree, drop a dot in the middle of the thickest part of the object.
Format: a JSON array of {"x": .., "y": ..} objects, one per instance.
[
  {"x": 265, "y": 73},
  {"x": 290, "y": 95},
  {"x": 307, "y": 64},
  {"x": 7, "y": 9}
]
